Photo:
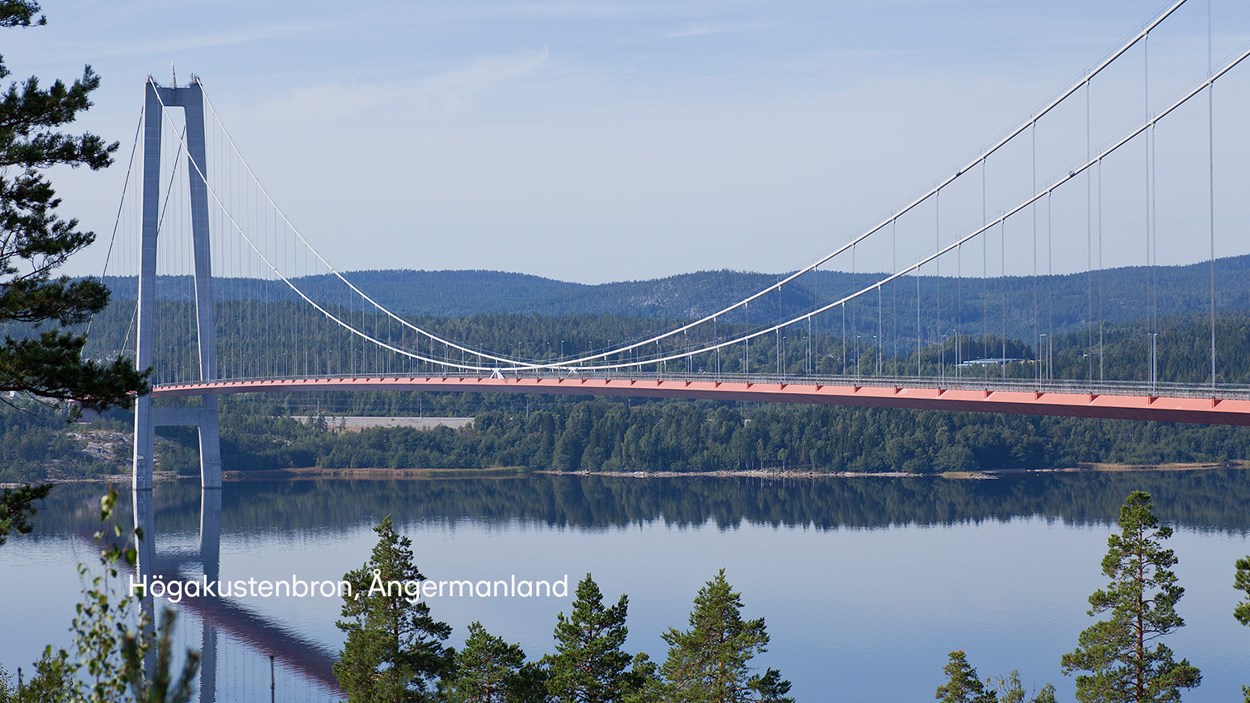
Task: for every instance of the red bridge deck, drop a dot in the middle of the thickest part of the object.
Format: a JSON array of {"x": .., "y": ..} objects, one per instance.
[{"x": 924, "y": 395}]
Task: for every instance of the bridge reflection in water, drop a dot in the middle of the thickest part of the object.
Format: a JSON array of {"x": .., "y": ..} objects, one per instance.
[{"x": 309, "y": 660}]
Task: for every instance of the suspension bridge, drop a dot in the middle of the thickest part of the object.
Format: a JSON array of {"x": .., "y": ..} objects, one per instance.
[{"x": 966, "y": 313}]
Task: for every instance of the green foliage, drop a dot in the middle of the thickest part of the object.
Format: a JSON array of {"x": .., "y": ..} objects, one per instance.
[
  {"x": 103, "y": 619},
  {"x": 394, "y": 651},
  {"x": 1241, "y": 582},
  {"x": 48, "y": 363},
  {"x": 632, "y": 434},
  {"x": 457, "y": 294},
  {"x": 530, "y": 685},
  {"x": 689, "y": 436},
  {"x": 1208, "y": 500},
  {"x": 645, "y": 683},
  {"x": 710, "y": 662},
  {"x": 962, "y": 684},
  {"x": 17, "y": 506},
  {"x": 51, "y": 683},
  {"x": 1124, "y": 654},
  {"x": 37, "y": 443},
  {"x": 160, "y": 686},
  {"x": 489, "y": 670},
  {"x": 112, "y": 635},
  {"x": 1242, "y": 612},
  {"x": 1011, "y": 690},
  {"x": 589, "y": 665},
  {"x": 20, "y": 13}
]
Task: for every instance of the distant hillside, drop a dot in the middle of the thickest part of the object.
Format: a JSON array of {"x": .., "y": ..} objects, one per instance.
[{"x": 1065, "y": 299}]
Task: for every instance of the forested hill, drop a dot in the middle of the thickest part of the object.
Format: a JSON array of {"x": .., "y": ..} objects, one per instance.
[{"x": 1120, "y": 292}]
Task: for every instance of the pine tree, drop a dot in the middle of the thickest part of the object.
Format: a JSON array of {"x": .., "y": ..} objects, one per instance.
[
  {"x": 645, "y": 684},
  {"x": 1011, "y": 690},
  {"x": 1242, "y": 612},
  {"x": 17, "y": 507},
  {"x": 710, "y": 662},
  {"x": 35, "y": 241},
  {"x": 589, "y": 664},
  {"x": 1124, "y": 654},
  {"x": 394, "y": 648},
  {"x": 487, "y": 669},
  {"x": 962, "y": 683}
]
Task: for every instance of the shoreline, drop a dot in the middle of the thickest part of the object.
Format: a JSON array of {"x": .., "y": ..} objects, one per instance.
[
  {"x": 313, "y": 473},
  {"x": 1100, "y": 467}
]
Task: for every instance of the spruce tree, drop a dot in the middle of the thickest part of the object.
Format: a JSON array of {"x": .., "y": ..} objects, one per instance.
[
  {"x": 1242, "y": 612},
  {"x": 589, "y": 664},
  {"x": 394, "y": 649},
  {"x": 1124, "y": 655},
  {"x": 962, "y": 683},
  {"x": 710, "y": 662}
]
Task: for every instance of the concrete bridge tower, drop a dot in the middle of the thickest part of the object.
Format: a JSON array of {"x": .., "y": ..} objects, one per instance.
[{"x": 203, "y": 416}]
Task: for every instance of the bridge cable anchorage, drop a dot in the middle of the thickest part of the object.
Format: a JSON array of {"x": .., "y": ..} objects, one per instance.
[{"x": 581, "y": 361}]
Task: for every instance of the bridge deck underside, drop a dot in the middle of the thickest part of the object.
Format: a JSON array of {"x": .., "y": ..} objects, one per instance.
[{"x": 1209, "y": 411}]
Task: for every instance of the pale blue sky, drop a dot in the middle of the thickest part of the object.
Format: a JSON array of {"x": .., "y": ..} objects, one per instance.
[{"x": 596, "y": 141}]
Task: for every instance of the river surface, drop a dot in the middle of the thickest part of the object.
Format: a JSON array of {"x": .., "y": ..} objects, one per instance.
[{"x": 865, "y": 583}]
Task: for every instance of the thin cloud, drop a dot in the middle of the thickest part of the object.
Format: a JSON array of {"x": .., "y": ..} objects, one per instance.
[
  {"x": 698, "y": 29},
  {"x": 451, "y": 90},
  {"x": 181, "y": 44},
  {"x": 487, "y": 71},
  {"x": 548, "y": 10}
]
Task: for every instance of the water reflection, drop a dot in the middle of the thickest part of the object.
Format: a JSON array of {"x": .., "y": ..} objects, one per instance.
[
  {"x": 210, "y": 558},
  {"x": 309, "y": 659},
  {"x": 1198, "y": 499},
  {"x": 757, "y": 527}
]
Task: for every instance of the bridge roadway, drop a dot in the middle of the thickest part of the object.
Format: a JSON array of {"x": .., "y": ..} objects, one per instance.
[{"x": 1223, "y": 405}]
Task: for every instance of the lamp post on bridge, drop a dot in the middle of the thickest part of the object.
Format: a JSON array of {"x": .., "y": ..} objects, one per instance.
[
  {"x": 857, "y": 357},
  {"x": 1050, "y": 359},
  {"x": 958, "y": 353},
  {"x": 1154, "y": 362},
  {"x": 1045, "y": 374}
]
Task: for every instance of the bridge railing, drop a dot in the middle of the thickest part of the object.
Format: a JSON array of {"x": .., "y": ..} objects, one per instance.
[{"x": 1074, "y": 387}]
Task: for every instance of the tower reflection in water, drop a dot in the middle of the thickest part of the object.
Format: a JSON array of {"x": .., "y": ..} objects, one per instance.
[{"x": 308, "y": 661}]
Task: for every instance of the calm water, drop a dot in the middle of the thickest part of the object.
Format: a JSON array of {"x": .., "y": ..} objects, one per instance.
[{"x": 865, "y": 584}]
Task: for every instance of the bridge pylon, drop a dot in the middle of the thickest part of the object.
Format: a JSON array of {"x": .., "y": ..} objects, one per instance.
[{"x": 203, "y": 416}]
